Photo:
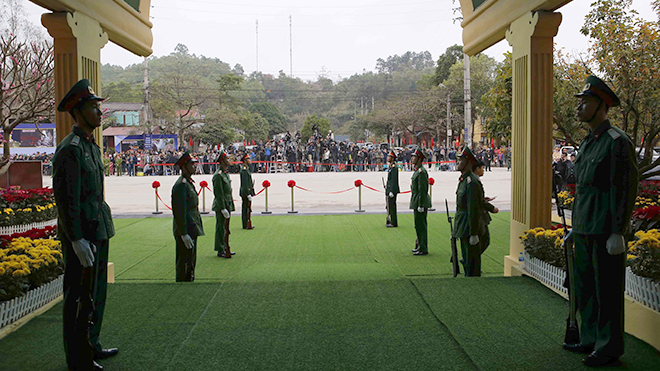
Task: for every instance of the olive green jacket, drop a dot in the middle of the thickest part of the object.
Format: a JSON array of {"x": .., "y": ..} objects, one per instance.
[
  {"x": 78, "y": 188},
  {"x": 606, "y": 188},
  {"x": 420, "y": 189},
  {"x": 222, "y": 192},
  {"x": 247, "y": 187},
  {"x": 392, "y": 180},
  {"x": 470, "y": 207},
  {"x": 185, "y": 207}
]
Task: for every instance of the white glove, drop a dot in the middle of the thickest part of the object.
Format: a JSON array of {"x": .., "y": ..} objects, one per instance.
[
  {"x": 420, "y": 209},
  {"x": 391, "y": 195},
  {"x": 85, "y": 252},
  {"x": 225, "y": 213},
  {"x": 188, "y": 241},
  {"x": 616, "y": 245},
  {"x": 474, "y": 240},
  {"x": 249, "y": 198},
  {"x": 568, "y": 237}
]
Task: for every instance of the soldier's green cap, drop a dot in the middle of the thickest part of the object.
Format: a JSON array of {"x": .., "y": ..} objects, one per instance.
[
  {"x": 467, "y": 152},
  {"x": 184, "y": 159},
  {"x": 80, "y": 92},
  {"x": 419, "y": 153},
  {"x": 246, "y": 155},
  {"x": 222, "y": 155},
  {"x": 597, "y": 88},
  {"x": 393, "y": 154}
]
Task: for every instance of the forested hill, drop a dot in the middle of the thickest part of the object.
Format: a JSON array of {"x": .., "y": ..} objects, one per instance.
[{"x": 339, "y": 102}]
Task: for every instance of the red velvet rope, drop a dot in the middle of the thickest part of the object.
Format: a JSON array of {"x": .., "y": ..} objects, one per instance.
[
  {"x": 324, "y": 193},
  {"x": 161, "y": 200}
]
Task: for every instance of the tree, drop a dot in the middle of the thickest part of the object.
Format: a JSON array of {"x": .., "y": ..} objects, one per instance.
[
  {"x": 270, "y": 112},
  {"x": 123, "y": 92},
  {"x": 178, "y": 95},
  {"x": 254, "y": 126},
  {"x": 452, "y": 55},
  {"x": 322, "y": 124},
  {"x": 219, "y": 127},
  {"x": 26, "y": 75},
  {"x": 497, "y": 102},
  {"x": 626, "y": 50}
]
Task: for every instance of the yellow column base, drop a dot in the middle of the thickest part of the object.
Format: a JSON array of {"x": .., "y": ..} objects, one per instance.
[
  {"x": 512, "y": 267},
  {"x": 111, "y": 272},
  {"x": 642, "y": 322}
]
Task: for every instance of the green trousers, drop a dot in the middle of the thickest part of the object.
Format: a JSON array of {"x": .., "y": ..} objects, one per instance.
[
  {"x": 471, "y": 258},
  {"x": 219, "y": 244},
  {"x": 73, "y": 290},
  {"x": 245, "y": 211},
  {"x": 421, "y": 228},
  {"x": 391, "y": 204},
  {"x": 186, "y": 260},
  {"x": 599, "y": 286}
]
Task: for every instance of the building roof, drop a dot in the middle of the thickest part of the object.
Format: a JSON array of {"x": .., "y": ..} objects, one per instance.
[
  {"x": 128, "y": 130},
  {"x": 121, "y": 106},
  {"x": 122, "y": 130}
]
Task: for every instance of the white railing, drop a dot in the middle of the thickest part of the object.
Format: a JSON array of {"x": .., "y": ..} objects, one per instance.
[
  {"x": 643, "y": 290},
  {"x": 546, "y": 273},
  {"x": 7, "y": 231},
  {"x": 14, "y": 309}
]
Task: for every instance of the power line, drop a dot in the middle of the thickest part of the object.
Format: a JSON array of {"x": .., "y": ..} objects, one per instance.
[
  {"x": 196, "y": 21},
  {"x": 306, "y": 15},
  {"x": 310, "y": 7}
]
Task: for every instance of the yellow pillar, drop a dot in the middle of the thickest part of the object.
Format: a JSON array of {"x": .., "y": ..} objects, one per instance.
[
  {"x": 78, "y": 40},
  {"x": 531, "y": 37}
]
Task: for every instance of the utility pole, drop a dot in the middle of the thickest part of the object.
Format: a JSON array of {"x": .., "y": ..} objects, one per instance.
[
  {"x": 257, "y": 24},
  {"x": 448, "y": 120},
  {"x": 290, "y": 46},
  {"x": 147, "y": 97},
  {"x": 468, "y": 100}
]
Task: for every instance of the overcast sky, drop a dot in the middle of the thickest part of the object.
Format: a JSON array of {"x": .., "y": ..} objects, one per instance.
[{"x": 340, "y": 37}]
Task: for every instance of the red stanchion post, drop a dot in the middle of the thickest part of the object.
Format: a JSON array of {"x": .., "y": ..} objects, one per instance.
[
  {"x": 204, "y": 184},
  {"x": 358, "y": 184},
  {"x": 291, "y": 184},
  {"x": 266, "y": 184},
  {"x": 155, "y": 186},
  {"x": 431, "y": 183}
]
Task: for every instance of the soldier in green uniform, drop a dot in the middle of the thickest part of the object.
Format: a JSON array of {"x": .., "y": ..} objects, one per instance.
[
  {"x": 246, "y": 192},
  {"x": 606, "y": 188},
  {"x": 223, "y": 205},
  {"x": 470, "y": 208},
  {"x": 420, "y": 201},
  {"x": 187, "y": 224},
  {"x": 392, "y": 190},
  {"x": 484, "y": 238},
  {"x": 84, "y": 223}
]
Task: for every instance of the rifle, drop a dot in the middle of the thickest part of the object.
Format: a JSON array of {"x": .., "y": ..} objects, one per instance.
[
  {"x": 226, "y": 239},
  {"x": 387, "y": 202},
  {"x": 572, "y": 335},
  {"x": 250, "y": 209},
  {"x": 81, "y": 348},
  {"x": 454, "y": 250}
]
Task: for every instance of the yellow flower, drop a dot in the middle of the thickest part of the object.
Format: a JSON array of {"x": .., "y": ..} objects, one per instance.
[{"x": 2, "y": 270}]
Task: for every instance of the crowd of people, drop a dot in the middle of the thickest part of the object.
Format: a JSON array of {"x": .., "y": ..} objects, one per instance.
[{"x": 286, "y": 154}]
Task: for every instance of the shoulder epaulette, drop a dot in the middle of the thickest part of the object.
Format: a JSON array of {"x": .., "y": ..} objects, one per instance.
[
  {"x": 613, "y": 133},
  {"x": 75, "y": 141},
  {"x": 184, "y": 181}
]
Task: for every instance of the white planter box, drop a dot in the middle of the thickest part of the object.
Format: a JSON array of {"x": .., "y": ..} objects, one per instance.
[
  {"x": 546, "y": 273},
  {"x": 7, "y": 231},
  {"x": 14, "y": 309},
  {"x": 643, "y": 290}
]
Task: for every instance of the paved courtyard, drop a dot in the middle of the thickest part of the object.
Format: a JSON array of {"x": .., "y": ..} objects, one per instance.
[{"x": 134, "y": 196}]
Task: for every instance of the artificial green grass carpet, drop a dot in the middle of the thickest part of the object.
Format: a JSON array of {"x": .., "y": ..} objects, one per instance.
[
  {"x": 315, "y": 293},
  {"x": 299, "y": 248}
]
